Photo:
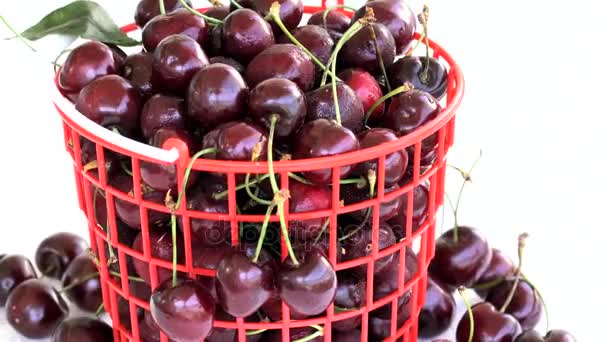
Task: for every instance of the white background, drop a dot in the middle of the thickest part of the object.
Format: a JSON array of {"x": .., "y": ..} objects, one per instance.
[{"x": 535, "y": 103}]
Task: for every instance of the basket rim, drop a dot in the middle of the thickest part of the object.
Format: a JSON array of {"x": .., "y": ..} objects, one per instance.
[{"x": 170, "y": 153}]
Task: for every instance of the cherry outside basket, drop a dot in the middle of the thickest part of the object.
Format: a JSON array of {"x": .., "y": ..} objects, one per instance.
[{"x": 126, "y": 301}]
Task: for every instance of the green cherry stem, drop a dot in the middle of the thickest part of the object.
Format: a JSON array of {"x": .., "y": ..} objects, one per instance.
[
  {"x": 258, "y": 248},
  {"x": 411, "y": 52},
  {"x": 521, "y": 243},
  {"x": 17, "y": 34},
  {"x": 236, "y": 4},
  {"x": 371, "y": 178},
  {"x": 161, "y": 7},
  {"x": 273, "y": 181},
  {"x": 379, "y": 57},
  {"x": 99, "y": 310},
  {"x": 542, "y": 300},
  {"x": 80, "y": 281},
  {"x": 93, "y": 258},
  {"x": 311, "y": 336},
  {"x": 466, "y": 178},
  {"x": 463, "y": 295},
  {"x": 394, "y": 92},
  {"x": 253, "y": 196},
  {"x": 255, "y": 332},
  {"x": 299, "y": 178},
  {"x": 361, "y": 182},
  {"x": 323, "y": 229},
  {"x": 345, "y": 37},
  {"x": 208, "y": 19},
  {"x": 424, "y": 19},
  {"x": 126, "y": 169}
]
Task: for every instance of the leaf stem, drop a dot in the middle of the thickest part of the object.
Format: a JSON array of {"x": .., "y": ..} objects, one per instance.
[{"x": 17, "y": 34}]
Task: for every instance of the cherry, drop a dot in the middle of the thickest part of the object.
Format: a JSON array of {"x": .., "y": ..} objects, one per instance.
[
  {"x": 180, "y": 21},
  {"x": 321, "y": 138},
  {"x": 85, "y": 64},
  {"x": 228, "y": 61},
  {"x": 14, "y": 270},
  {"x": 386, "y": 283},
  {"x": 320, "y": 104},
  {"x": 209, "y": 258},
  {"x": 420, "y": 211},
  {"x": 395, "y": 163},
  {"x": 177, "y": 59},
  {"x": 500, "y": 267},
  {"x": 208, "y": 232},
  {"x": 551, "y": 336},
  {"x": 184, "y": 310},
  {"x": 489, "y": 324},
  {"x": 290, "y": 14},
  {"x": 411, "y": 69},
  {"x": 217, "y": 94},
  {"x": 148, "y": 9},
  {"x": 461, "y": 257},
  {"x": 162, "y": 111},
  {"x": 346, "y": 336},
  {"x": 359, "y": 244},
  {"x": 81, "y": 284},
  {"x": 111, "y": 101},
  {"x": 128, "y": 212},
  {"x": 316, "y": 39},
  {"x": 355, "y": 193},
  {"x": 245, "y": 34},
  {"x": 137, "y": 69},
  {"x": 281, "y": 97},
  {"x": 438, "y": 311},
  {"x": 360, "y": 50},
  {"x": 139, "y": 289},
  {"x": 236, "y": 140},
  {"x": 310, "y": 287},
  {"x": 274, "y": 308},
  {"x": 230, "y": 335},
  {"x": 350, "y": 294},
  {"x": 148, "y": 329},
  {"x": 306, "y": 198},
  {"x": 380, "y": 324},
  {"x": 161, "y": 248},
  {"x": 397, "y": 16},
  {"x": 83, "y": 329},
  {"x": 366, "y": 88},
  {"x": 242, "y": 285},
  {"x": 525, "y": 306},
  {"x": 34, "y": 309},
  {"x": 295, "y": 334},
  {"x": 336, "y": 22},
  {"x": 282, "y": 61},
  {"x": 218, "y": 12},
  {"x": 57, "y": 251},
  {"x": 119, "y": 55}
]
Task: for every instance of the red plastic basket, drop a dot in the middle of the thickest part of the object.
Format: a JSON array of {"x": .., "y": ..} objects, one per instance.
[{"x": 125, "y": 308}]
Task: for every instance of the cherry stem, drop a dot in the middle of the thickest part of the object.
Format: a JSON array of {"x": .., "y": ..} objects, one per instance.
[
  {"x": 490, "y": 284},
  {"x": 93, "y": 258},
  {"x": 258, "y": 248},
  {"x": 126, "y": 169},
  {"x": 236, "y": 4},
  {"x": 394, "y": 92},
  {"x": 174, "y": 206},
  {"x": 371, "y": 176},
  {"x": 81, "y": 281},
  {"x": 161, "y": 6},
  {"x": 521, "y": 243},
  {"x": 542, "y": 300},
  {"x": 329, "y": 9},
  {"x": 198, "y": 14},
  {"x": 255, "y": 332},
  {"x": 273, "y": 181},
  {"x": 223, "y": 194},
  {"x": 466, "y": 178},
  {"x": 361, "y": 182},
  {"x": 99, "y": 310},
  {"x": 312, "y": 336},
  {"x": 463, "y": 295},
  {"x": 17, "y": 34},
  {"x": 274, "y": 14},
  {"x": 424, "y": 19},
  {"x": 411, "y": 52},
  {"x": 323, "y": 229},
  {"x": 55, "y": 63},
  {"x": 253, "y": 196},
  {"x": 379, "y": 57},
  {"x": 299, "y": 178},
  {"x": 345, "y": 37}
]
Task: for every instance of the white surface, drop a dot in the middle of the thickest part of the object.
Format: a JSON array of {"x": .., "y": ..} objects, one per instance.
[{"x": 535, "y": 103}]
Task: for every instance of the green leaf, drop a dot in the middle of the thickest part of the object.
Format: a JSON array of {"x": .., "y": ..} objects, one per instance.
[{"x": 85, "y": 19}]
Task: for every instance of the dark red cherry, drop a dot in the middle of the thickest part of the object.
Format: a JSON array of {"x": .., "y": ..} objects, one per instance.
[
  {"x": 397, "y": 16},
  {"x": 162, "y": 111},
  {"x": 306, "y": 198},
  {"x": 366, "y": 88},
  {"x": 34, "y": 309},
  {"x": 208, "y": 232},
  {"x": 230, "y": 335},
  {"x": 336, "y": 22},
  {"x": 137, "y": 69},
  {"x": 245, "y": 34},
  {"x": 320, "y": 105},
  {"x": 355, "y": 193},
  {"x": 111, "y": 101},
  {"x": 411, "y": 69},
  {"x": 308, "y": 288},
  {"x": 555, "y": 335},
  {"x": 242, "y": 285},
  {"x": 360, "y": 50},
  {"x": 438, "y": 311},
  {"x": 460, "y": 262},
  {"x": 176, "y": 60},
  {"x": 83, "y": 329},
  {"x": 386, "y": 283},
  {"x": 85, "y": 64},
  {"x": 180, "y": 21},
  {"x": 82, "y": 285},
  {"x": 161, "y": 248},
  {"x": 274, "y": 308},
  {"x": 291, "y": 12},
  {"x": 228, "y": 61},
  {"x": 148, "y": 9},
  {"x": 149, "y": 331},
  {"x": 236, "y": 141},
  {"x": 395, "y": 163},
  {"x": 295, "y": 334},
  {"x": 490, "y": 325},
  {"x": 217, "y": 94},
  {"x": 218, "y": 12},
  {"x": 282, "y": 61},
  {"x": 280, "y": 97},
  {"x": 321, "y": 138},
  {"x": 500, "y": 267},
  {"x": 380, "y": 324},
  {"x": 208, "y": 258},
  {"x": 525, "y": 306},
  {"x": 350, "y": 295},
  {"x": 420, "y": 211},
  {"x": 57, "y": 251},
  {"x": 184, "y": 312},
  {"x": 346, "y": 336},
  {"x": 359, "y": 245},
  {"x": 14, "y": 270},
  {"x": 119, "y": 55},
  {"x": 316, "y": 39}
]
